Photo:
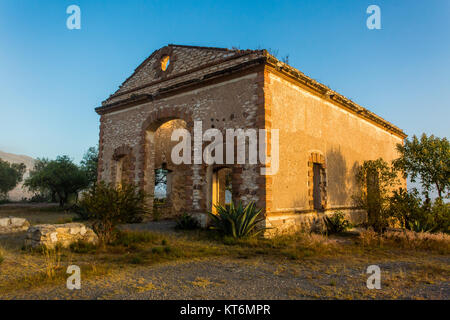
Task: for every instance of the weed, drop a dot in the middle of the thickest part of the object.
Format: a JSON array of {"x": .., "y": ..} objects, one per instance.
[
  {"x": 83, "y": 247},
  {"x": 127, "y": 238},
  {"x": 187, "y": 222},
  {"x": 2, "y": 254}
]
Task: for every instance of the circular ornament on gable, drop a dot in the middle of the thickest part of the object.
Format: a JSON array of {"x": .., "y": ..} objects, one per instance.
[{"x": 165, "y": 60}]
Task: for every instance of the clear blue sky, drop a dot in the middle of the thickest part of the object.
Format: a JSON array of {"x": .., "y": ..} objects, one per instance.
[{"x": 52, "y": 78}]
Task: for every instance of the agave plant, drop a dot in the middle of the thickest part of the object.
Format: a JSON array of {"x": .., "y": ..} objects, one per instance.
[
  {"x": 237, "y": 221},
  {"x": 336, "y": 223},
  {"x": 419, "y": 226}
]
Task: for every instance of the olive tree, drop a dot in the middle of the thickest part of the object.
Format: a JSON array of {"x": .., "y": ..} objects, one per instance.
[
  {"x": 427, "y": 159},
  {"x": 61, "y": 177},
  {"x": 10, "y": 175}
]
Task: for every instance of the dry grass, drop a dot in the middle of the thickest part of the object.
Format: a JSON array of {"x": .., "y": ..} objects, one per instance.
[
  {"x": 38, "y": 215},
  {"x": 57, "y": 276},
  {"x": 323, "y": 255},
  {"x": 2, "y": 255},
  {"x": 404, "y": 239},
  {"x": 201, "y": 282}
]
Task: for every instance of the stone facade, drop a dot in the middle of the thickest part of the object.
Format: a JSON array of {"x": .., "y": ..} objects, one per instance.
[
  {"x": 319, "y": 131},
  {"x": 12, "y": 225},
  {"x": 51, "y": 235}
]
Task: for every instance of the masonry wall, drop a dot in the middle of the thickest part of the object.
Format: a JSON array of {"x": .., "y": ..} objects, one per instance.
[
  {"x": 314, "y": 129},
  {"x": 232, "y": 103}
]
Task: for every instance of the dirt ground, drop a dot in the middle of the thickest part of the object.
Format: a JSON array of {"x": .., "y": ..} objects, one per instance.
[
  {"x": 195, "y": 267},
  {"x": 39, "y": 213}
]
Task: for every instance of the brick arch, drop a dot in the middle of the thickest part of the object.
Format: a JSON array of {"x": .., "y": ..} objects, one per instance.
[
  {"x": 124, "y": 152},
  {"x": 158, "y": 117},
  {"x": 318, "y": 158},
  {"x": 154, "y": 120}
]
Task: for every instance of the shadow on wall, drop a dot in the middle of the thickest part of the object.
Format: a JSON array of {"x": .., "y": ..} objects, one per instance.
[{"x": 341, "y": 180}]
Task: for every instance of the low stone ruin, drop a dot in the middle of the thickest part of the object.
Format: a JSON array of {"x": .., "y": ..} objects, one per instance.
[
  {"x": 50, "y": 235},
  {"x": 13, "y": 224}
]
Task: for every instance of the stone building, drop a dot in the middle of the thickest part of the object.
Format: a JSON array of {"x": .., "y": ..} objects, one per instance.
[{"x": 323, "y": 136}]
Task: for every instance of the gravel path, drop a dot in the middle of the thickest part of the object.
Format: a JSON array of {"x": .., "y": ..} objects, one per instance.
[{"x": 227, "y": 278}]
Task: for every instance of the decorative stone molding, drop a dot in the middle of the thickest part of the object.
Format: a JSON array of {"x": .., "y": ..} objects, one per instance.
[{"x": 164, "y": 52}]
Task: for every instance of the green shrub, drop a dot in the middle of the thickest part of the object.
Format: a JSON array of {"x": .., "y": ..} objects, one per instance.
[
  {"x": 336, "y": 223},
  {"x": 82, "y": 247},
  {"x": 186, "y": 222},
  {"x": 82, "y": 212},
  {"x": 157, "y": 250},
  {"x": 128, "y": 238},
  {"x": 440, "y": 211},
  {"x": 137, "y": 259},
  {"x": 107, "y": 206},
  {"x": 406, "y": 207},
  {"x": 376, "y": 179},
  {"x": 237, "y": 221},
  {"x": 420, "y": 216}
]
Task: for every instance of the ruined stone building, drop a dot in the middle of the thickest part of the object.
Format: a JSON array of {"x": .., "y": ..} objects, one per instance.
[{"x": 323, "y": 136}]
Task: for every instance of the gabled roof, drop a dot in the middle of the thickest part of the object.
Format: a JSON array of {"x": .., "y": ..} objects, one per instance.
[
  {"x": 187, "y": 67},
  {"x": 188, "y": 57}
]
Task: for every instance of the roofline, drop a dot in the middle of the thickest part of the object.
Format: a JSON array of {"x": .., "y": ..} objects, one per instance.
[
  {"x": 201, "y": 47},
  {"x": 326, "y": 92},
  {"x": 266, "y": 59},
  {"x": 239, "y": 54}
]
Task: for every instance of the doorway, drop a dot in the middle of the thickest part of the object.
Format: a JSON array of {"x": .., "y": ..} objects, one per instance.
[
  {"x": 222, "y": 189},
  {"x": 317, "y": 186}
]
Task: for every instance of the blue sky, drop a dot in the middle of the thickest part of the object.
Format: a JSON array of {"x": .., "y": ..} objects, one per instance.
[{"x": 52, "y": 78}]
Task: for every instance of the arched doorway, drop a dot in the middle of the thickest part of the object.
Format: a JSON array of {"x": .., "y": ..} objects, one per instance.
[{"x": 164, "y": 180}]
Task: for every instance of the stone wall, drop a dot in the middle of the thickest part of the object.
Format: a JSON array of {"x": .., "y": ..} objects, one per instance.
[
  {"x": 242, "y": 89},
  {"x": 281, "y": 224},
  {"x": 51, "y": 235},
  {"x": 233, "y": 103},
  {"x": 313, "y": 129},
  {"x": 12, "y": 225}
]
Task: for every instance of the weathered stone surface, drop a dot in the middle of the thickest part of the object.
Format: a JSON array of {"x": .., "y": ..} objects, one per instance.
[
  {"x": 322, "y": 137},
  {"x": 50, "y": 235},
  {"x": 307, "y": 222},
  {"x": 13, "y": 224}
]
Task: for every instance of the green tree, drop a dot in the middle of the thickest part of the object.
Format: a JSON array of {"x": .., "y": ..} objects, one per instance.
[
  {"x": 61, "y": 177},
  {"x": 89, "y": 164},
  {"x": 376, "y": 180},
  {"x": 10, "y": 175},
  {"x": 427, "y": 158},
  {"x": 108, "y": 205}
]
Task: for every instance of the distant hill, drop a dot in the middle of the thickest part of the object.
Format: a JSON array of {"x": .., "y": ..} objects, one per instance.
[{"x": 18, "y": 193}]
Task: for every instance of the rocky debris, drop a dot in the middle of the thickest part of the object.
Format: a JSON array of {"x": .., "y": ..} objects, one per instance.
[
  {"x": 50, "y": 235},
  {"x": 13, "y": 224}
]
